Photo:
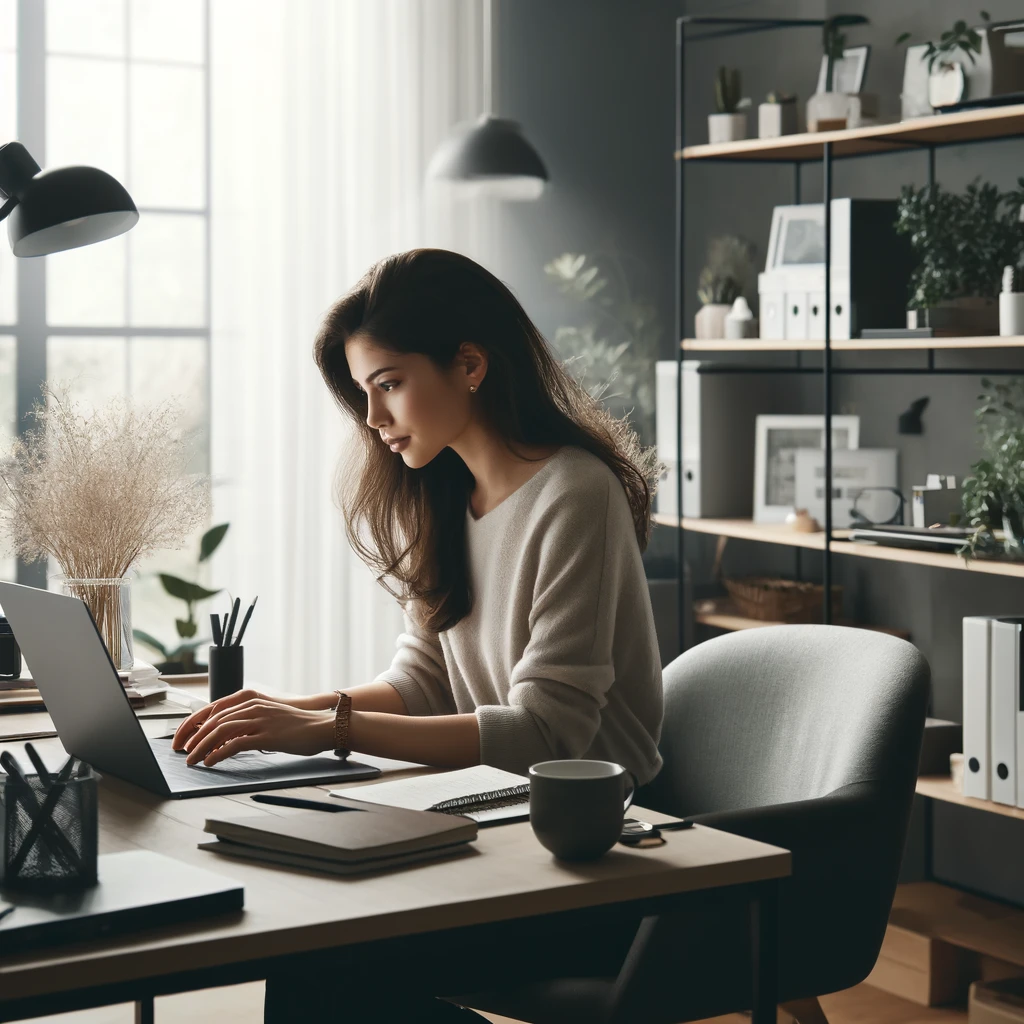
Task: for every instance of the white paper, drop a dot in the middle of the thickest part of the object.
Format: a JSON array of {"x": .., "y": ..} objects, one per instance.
[{"x": 421, "y": 793}]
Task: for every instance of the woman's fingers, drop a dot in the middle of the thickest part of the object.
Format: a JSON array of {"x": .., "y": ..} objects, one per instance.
[
  {"x": 231, "y": 747},
  {"x": 227, "y": 731},
  {"x": 198, "y": 718},
  {"x": 247, "y": 710}
]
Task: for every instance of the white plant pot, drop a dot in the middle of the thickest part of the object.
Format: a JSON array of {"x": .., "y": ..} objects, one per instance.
[
  {"x": 709, "y": 323},
  {"x": 727, "y": 127}
]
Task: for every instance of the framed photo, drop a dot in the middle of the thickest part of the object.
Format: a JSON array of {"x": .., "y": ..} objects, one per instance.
[
  {"x": 866, "y": 477},
  {"x": 777, "y": 440},
  {"x": 848, "y": 73}
]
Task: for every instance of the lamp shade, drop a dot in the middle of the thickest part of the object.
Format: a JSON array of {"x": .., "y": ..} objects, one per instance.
[
  {"x": 62, "y": 208},
  {"x": 493, "y": 155}
]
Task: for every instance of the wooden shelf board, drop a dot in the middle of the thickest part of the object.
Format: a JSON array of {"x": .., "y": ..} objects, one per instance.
[
  {"x": 962, "y": 126},
  {"x": 745, "y": 529},
  {"x": 721, "y": 613},
  {"x": 970, "y": 922},
  {"x": 940, "y": 787},
  {"x": 979, "y": 343}
]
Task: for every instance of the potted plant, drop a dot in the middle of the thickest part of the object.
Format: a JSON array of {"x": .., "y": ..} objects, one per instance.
[
  {"x": 776, "y": 116},
  {"x": 947, "y": 76},
  {"x": 963, "y": 242},
  {"x": 726, "y": 276},
  {"x": 729, "y": 124},
  {"x": 993, "y": 496},
  {"x": 826, "y": 109},
  {"x": 182, "y": 658}
]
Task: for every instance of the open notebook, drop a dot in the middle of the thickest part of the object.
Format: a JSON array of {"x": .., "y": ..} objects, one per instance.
[{"x": 488, "y": 795}]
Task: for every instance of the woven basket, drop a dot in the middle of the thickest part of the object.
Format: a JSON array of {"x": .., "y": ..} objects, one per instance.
[{"x": 775, "y": 600}]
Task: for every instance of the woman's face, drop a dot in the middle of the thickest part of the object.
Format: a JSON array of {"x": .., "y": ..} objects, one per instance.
[{"x": 409, "y": 400}]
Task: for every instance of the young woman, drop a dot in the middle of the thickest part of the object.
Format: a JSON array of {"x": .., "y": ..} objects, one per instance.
[{"x": 507, "y": 511}]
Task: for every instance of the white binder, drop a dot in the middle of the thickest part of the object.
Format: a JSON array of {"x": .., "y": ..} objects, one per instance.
[
  {"x": 1004, "y": 687},
  {"x": 976, "y": 706}
]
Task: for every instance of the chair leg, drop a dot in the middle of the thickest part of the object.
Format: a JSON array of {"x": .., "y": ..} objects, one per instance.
[{"x": 802, "y": 1011}]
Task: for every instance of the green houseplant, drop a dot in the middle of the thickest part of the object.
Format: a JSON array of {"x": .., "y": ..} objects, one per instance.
[
  {"x": 993, "y": 495},
  {"x": 182, "y": 658},
  {"x": 947, "y": 79},
  {"x": 963, "y": 242},
  {"x": 616, "y": 342},
  {"x": 832, "y": 104}
]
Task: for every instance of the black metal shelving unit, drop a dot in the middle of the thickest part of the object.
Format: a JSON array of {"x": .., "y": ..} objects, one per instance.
[{"x": 925, "y": 141}]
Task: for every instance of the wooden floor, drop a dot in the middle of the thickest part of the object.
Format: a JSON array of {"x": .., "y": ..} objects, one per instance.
[{"x": 243, "y": 1004}]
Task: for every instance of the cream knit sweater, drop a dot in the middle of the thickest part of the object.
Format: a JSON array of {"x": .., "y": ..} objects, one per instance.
[{"x": 558, "y": 656}]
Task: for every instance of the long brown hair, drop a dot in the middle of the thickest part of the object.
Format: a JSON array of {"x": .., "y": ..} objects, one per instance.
[{"x": 430, "y": 301}]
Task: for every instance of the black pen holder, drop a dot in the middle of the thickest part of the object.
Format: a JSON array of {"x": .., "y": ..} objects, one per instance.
[
  {"x": 48, "y": 850},
  {"x": 10, "y": 652},
  {"x": 225, "y": 670}
]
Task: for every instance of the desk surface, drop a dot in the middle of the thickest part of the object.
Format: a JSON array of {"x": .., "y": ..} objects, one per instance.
[{"x": 504, "y": 875}]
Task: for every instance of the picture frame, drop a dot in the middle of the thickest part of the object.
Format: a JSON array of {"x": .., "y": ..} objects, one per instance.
[
  {"x": 847, "y": 74},
  {"x": 854, "y": 470},
  {"x": 777, "y": 439}
]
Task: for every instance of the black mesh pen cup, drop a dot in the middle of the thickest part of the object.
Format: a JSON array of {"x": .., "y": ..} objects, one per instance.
[
  {"x": 225, "y": 671},
  {"x": 48, "y": 832},
  {"x": 10, "y": 652}
]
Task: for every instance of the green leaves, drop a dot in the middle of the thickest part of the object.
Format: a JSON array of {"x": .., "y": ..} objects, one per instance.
[
  {"x": 211, "y": 541},
  {"x": 184, "y": 590},
  {"x": 993, "y": 495},
  {"x": 963, "y": 241}
]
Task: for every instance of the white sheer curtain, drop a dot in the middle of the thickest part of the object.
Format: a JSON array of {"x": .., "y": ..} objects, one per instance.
[{"x": 324, "y": 115}]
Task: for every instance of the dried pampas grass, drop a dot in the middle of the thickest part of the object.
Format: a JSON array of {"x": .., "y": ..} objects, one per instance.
[{"x": 98, "y": 491}]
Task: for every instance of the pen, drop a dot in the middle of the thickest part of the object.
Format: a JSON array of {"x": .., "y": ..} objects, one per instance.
[
  {"x": 218, "y": 636},
  {"x": 231, "y": 621},
  {"x": 245, "y": 621},
  {"x": 294, "y": 801}
]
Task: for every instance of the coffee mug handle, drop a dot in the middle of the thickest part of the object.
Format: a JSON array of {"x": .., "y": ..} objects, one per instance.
[{"x": 632, "y": 790}]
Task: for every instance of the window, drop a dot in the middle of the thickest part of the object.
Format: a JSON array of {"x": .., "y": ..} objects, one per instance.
[{"x": 124, "y": 87}]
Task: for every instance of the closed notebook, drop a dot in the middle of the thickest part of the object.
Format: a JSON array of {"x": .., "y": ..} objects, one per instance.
[{"x": 361, "y": 834}]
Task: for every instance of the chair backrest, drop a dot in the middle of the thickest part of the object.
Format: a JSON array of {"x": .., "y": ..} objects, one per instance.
[
  {"x": 782, "y": 715},
  {"x": 785, "y": 713}
]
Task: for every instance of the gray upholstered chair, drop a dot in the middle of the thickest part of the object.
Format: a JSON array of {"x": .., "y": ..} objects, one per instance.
[{"x": 806, "y": 737}]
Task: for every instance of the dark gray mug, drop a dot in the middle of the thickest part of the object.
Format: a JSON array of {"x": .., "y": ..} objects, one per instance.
[{"x": 577, "y": 807}]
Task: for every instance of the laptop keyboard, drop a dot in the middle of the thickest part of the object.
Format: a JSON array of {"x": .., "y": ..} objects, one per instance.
[{"x": 248, "y": 766}]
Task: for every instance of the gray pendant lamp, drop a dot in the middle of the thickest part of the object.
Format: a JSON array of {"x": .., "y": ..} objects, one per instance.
[
  {"x": 490, "y": 156},
  {"x": 63, "y": 208}
]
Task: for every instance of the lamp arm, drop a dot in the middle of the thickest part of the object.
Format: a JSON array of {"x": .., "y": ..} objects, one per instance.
[{"x": 8, "y": 206}]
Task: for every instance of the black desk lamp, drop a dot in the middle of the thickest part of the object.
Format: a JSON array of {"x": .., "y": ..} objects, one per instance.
[{"x": 59, "y": 209}]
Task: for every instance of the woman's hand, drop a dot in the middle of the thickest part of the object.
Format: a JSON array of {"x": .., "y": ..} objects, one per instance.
[
  {"x": 248, "y": 720},
  {"x": 192, "y": 724}
]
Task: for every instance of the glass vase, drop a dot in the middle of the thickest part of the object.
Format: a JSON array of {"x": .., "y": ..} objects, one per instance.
[{"x": 110, "y": 601}]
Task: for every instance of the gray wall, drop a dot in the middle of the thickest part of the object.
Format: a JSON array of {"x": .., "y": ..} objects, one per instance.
[{"x": 592, "y": 81}]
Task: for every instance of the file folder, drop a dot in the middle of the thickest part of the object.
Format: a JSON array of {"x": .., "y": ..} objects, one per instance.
[
  {"x": 1004, "y": 687},
  {"x": 977, "y": 706}
]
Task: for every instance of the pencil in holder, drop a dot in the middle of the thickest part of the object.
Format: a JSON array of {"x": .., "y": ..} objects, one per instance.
[
  {"x": 48, "y": 832},
  {"x": 226, "y": 673}
]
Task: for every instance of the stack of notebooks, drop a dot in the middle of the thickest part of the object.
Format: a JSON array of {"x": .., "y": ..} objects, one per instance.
[
  {"x": 372, "y": 827},
  {"x": 342, "y": 838},
  {"x": 142, "y": 684}
]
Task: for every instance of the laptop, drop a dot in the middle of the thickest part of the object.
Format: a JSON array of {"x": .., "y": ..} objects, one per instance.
[
  {"x": 71, "y": 667},
  {"x": 931, "y": 538}
]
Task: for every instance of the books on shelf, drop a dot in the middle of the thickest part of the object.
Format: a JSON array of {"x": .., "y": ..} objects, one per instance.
[{"x": 361, "y": 838}]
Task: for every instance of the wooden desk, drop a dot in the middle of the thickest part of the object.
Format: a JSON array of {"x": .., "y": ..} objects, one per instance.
[{"x": 505, "y": 876}]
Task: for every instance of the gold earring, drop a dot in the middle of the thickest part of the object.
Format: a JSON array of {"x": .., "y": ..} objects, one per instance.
[{"x": 472, "y": 387}]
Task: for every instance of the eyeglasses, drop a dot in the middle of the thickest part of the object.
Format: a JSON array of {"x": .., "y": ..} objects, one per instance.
[
  {"x": 878, "y": 506},
  {"x": 644, "y": 834}
]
